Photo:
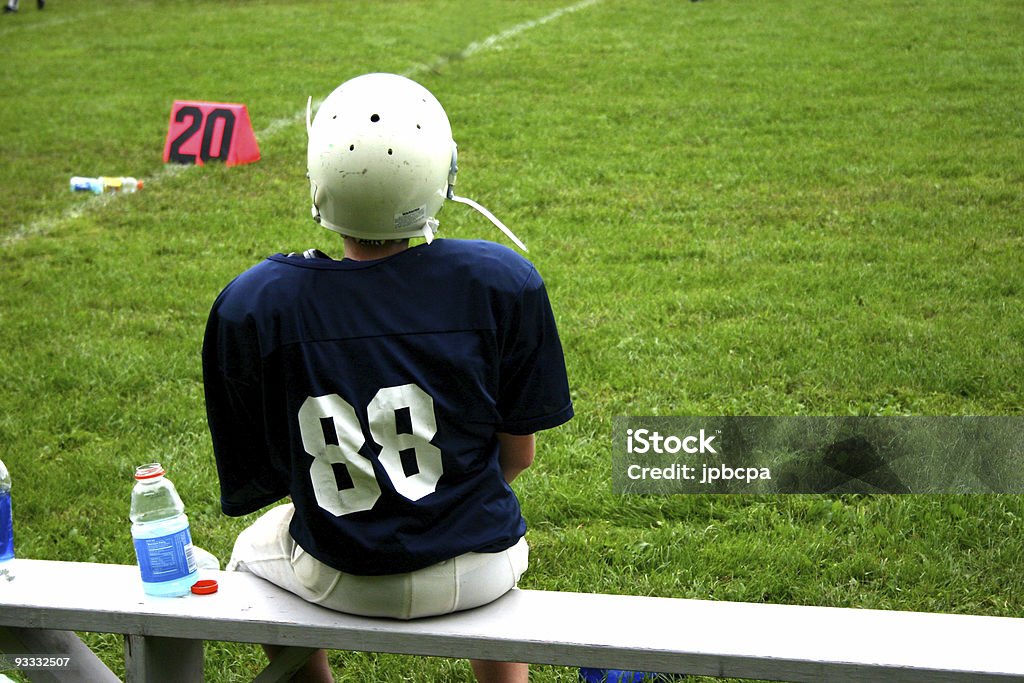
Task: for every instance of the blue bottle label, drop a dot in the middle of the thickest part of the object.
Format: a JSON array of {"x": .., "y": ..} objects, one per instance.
[
  {"x": 165, "y": 558},
  {"x": 6, "y": 527}
]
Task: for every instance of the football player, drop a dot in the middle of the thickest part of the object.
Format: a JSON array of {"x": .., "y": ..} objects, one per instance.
[{"x": 392, "y": 395}]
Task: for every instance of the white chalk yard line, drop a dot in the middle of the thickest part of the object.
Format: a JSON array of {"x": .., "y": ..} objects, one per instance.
[{"x": 45, "y": 224}]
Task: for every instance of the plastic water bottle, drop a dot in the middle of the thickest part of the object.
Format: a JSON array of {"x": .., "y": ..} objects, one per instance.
[
  {"x": 82, "y": 184},
  {"x": 6, "y": 520},
  {"x": 105, "y": 184},
  {"x": 160, "y": 531}
]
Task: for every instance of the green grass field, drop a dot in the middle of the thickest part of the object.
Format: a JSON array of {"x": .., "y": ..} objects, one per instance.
[{"x": 740, "y": 207}]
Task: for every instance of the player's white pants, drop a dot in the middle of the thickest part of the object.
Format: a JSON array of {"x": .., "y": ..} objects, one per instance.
[{"x": 267, "y": 550}]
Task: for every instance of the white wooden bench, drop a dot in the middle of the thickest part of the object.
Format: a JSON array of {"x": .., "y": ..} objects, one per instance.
[{"x": 47, "y": 601}]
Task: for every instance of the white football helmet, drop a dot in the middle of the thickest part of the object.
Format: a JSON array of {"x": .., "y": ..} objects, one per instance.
[{"x": 381, "y": 160}]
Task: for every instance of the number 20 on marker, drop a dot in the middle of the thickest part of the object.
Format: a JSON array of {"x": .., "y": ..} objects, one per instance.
[{"x": 200, "y": 132}]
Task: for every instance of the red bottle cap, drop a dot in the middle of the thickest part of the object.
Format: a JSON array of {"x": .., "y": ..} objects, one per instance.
[
  {"x": 204, "y": 587},
  {"x": 153, "y": 469}
]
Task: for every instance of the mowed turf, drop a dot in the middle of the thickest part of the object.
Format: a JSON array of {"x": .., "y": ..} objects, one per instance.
[{"x": 740, "y": 207}]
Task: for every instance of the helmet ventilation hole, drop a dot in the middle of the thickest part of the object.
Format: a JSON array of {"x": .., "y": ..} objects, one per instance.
[
  {"x": 351, "y": 148},
  {"x": 390, "y": 151},
  {"x": 375, "y": 118}
]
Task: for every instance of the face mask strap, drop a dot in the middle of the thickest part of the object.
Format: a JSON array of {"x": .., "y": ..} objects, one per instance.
[{"x": 489, "y": 216}]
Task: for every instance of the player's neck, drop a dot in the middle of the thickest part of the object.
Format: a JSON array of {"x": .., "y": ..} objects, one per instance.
[{"x": 359, "y": 251}]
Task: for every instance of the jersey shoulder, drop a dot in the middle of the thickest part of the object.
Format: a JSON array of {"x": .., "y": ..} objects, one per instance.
[
  {"x": 260, "y": 284},
  {"x": 484, "y": 263}
]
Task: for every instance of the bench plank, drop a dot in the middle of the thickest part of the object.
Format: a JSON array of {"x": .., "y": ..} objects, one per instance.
[{"x": 725, "y": 639}]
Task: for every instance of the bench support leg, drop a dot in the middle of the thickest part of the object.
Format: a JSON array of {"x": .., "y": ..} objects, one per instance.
[
  {"x": 285, "y": 663},
  {"x": 83, "y": 664},
  {"x": 151, "y": 659}
]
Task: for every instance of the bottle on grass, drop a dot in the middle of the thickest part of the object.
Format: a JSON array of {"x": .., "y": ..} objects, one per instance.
[{"x": 105, "y": 184}]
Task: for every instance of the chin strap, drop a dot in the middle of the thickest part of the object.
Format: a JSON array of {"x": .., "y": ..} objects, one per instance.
[
  {"x": 489, "y": 216},
  {"x": 452, "y": 174}
]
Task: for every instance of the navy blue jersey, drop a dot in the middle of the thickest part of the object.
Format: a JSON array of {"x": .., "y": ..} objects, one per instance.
[{"x": 371, "y": 392}]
